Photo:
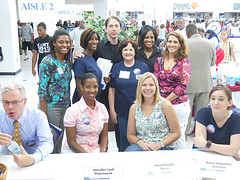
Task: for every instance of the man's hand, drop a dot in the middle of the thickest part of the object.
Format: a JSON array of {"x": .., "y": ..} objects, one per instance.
[
  {"x": 23, "y": 159},
  {"x": 78, "y": 54},
  {"x": 5, "y": 139}
]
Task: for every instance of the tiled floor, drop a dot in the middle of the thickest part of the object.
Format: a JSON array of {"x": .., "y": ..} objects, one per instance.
[{"x": 30, "y": 83}]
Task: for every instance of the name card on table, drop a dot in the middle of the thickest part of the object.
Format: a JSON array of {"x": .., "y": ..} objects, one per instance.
[{"x": 103, "y": 173}]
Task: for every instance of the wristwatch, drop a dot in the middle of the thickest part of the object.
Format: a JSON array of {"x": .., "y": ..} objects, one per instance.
[
  {"x": 209, "y": 143},
  {"x": 162, "y": 145}
]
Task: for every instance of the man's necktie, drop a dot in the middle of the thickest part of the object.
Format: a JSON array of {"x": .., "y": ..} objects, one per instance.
[{"x": 16, "y": 133}]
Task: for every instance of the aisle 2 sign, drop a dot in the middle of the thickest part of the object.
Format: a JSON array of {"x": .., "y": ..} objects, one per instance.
[{"x": 36, "y": 11}]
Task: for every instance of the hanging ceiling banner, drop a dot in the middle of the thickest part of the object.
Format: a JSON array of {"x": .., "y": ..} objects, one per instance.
[{"x": 36, "y": 10}]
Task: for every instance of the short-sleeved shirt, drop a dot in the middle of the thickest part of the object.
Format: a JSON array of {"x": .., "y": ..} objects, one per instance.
[
  {"x": 226, "y": 47},
  {"x": 107, "y": 50},
  {"x": 26, "y": 32},
  {"x": 54, "y": 82},
  {"x": 151, "y": 60},
  {"x": 88, "y": 122},
  {"x": 124, "y": 80},
  {"x": 76, "y": 35},
  {"x": 155, "y": 128},
  {"x": 42, "y": 46},
  {"x": 86, "y": 64},
  {"x": 219, "y": 135}
]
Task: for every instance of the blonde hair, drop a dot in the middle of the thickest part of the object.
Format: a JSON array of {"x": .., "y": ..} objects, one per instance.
[{"x": 139, "y": 97}]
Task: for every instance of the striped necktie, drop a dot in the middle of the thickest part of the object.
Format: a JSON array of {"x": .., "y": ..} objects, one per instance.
[{"x": 16, "y": 133}]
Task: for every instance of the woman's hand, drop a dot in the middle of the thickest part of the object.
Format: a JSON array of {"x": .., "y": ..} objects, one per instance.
[
  {"x": 143, "y": 145},
  {"x": 200, "y": 141},
  {"x": 154, "y": 147}
]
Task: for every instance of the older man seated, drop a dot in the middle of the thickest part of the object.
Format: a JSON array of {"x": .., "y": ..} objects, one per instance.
[{"x": 35, "y": 138}]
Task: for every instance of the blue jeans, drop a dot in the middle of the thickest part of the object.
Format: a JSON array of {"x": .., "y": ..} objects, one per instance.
[
  {"x": 122, "y": 124},
  {"x": 135, "y": 147}
]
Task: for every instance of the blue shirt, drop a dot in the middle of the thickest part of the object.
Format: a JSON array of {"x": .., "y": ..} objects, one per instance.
[
  {"x": 219, "y": 135},
  {"x": 86, "y": 64},
  {"x": 35, "y": 132},
  {"x": 124, "y": 80}
]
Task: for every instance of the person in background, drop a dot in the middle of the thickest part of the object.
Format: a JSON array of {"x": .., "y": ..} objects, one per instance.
[
  {"x": 65, "y": 26},
  {"x": 217, "y": 127},
  {"x": 202, "y": 57},
  {"x": 36, "y": 141},
  {"x": 54, "y": 80},
  {"x": 86, "y": 120},
  {"x": 76, "y": 35},
  {"x": 40, "y": 46},
  {"x": 154, "y": 112},
  {"x": 27, "y": 38},
  {"x": 173, "y": 73},
  {"x": 227, "y": 47},
  {"x": 123, "y": 84},
  {"x": 181, "y": 27},
  {"x": 89, "y": 41},
  {"x": 162, "y": 33},
  {"x": 201, "y": 32},
  {"x": 213, "y": 37},
  {"x": 148, "y": 52}
]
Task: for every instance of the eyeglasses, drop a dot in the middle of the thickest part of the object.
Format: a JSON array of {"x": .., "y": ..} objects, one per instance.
[{"x": 14, "y": 103}]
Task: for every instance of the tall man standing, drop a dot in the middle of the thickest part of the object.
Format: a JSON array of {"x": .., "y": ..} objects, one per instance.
[
  {"x": 202, "y": 56},
  {"x": 40, "y": 46}
]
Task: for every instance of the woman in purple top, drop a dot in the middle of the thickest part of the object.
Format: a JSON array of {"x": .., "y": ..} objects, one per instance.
[{"x": 173, "y": 73}]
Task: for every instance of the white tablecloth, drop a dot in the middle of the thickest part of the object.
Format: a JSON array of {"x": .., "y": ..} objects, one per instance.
[{"x": 179, "y": 164}]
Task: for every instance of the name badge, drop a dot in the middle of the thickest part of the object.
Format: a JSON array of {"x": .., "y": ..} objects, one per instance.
[
  {"x": 124, "y": 74},
  {"x": 60, "y": 71}
]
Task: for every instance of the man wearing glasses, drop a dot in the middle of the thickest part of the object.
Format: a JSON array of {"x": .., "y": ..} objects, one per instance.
[{"x": 35, "y": 137}]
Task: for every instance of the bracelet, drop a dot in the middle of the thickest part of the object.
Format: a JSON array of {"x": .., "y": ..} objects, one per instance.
[{"x": 209, "y": 143}]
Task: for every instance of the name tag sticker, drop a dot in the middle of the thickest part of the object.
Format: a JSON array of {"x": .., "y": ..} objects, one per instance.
[
  {"x": 60, "y": 71},
  {"x": 103, "y": 173},
  {"x": 124, "y": 74}
]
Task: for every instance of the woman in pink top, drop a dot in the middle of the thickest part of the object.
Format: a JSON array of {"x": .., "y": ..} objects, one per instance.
[
  {"x": 173, "y": 73},
  {"x": 86, "y": 120}
]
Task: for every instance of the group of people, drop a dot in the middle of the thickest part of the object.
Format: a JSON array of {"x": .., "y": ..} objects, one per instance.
[{"x": 149, "y": 96}]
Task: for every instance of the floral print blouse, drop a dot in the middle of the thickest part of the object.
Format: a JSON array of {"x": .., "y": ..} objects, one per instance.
[
  {"x": 176, "y": 80},
  {"x": 155, "y": 128},
  {"x": 54, "y": 82}
]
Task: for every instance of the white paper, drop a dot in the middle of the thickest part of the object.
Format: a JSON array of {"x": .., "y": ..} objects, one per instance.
[{"x": 105, "y": 65}]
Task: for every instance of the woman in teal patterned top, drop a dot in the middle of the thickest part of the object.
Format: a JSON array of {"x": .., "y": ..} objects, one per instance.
[
  {"x": 54, "y": 80},
  {"x": 152, "y": 122}
]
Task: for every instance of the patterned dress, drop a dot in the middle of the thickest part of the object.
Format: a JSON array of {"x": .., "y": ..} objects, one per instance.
[
  {"x": 54, "y": 82},
  {"x": 155, "y": 128}
]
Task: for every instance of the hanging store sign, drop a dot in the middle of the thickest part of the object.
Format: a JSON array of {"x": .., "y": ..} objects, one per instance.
[{"x": 35, "y": 10}]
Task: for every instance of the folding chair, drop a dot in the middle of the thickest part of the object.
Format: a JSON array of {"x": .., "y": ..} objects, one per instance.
[{"x": 56, "y": 132}]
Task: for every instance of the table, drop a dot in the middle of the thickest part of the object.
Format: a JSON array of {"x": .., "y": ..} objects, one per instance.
[{"x": 178, "y": 164}]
